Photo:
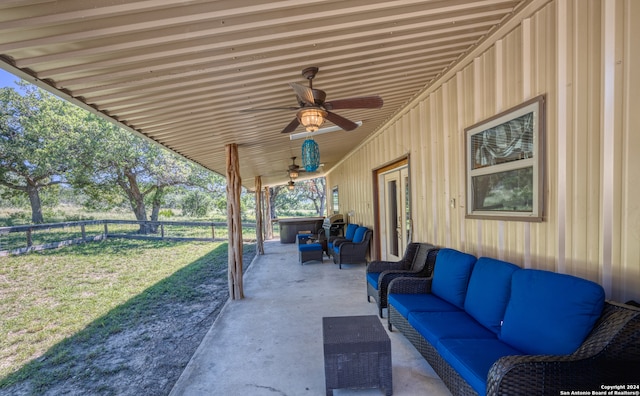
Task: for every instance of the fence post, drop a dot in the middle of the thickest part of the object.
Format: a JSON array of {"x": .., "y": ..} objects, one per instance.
[
  {"x": 29, "y": 239},
  {"x": 106, "y": 230},
  {"x": 162, "y": 230},
  {"x": 213, "y": 232},
  {"x": 84, "y": 234}
]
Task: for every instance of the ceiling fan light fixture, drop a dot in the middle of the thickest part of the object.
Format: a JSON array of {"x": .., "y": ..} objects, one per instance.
[
  {"x": 311, "y": 118},
  {"x": 293, "y": 174},
  {"x": 291, "y": 185}
]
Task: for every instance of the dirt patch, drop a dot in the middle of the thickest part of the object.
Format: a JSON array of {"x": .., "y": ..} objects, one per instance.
[{"x": 139, "y": 349}]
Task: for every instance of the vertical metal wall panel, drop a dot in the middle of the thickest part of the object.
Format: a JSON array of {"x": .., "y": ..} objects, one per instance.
[
  {"x": 423, "y": 158},
  {"x": 592, "y": 215},
  {"x": 630, "y": 257}
]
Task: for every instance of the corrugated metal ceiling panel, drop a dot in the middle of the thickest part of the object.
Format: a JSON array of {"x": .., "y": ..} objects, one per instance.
[{"x": 179, "y": 72}]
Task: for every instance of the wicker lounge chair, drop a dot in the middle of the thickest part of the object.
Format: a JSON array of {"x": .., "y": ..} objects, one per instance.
[
  {"x": 354, "y": 252},
  {"x": 348, "y": 236},
  {"x": 418, "y": 261}
]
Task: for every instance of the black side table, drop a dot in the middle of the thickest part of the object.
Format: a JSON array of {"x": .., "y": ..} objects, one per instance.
[{"x": 357, "y": 353}]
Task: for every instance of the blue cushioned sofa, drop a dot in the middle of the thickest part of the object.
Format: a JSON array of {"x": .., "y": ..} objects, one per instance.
[{"x": 489, "y": 327}]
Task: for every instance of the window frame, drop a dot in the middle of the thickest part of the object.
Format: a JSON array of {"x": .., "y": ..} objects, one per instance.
[{"x": 537, "y": 107}]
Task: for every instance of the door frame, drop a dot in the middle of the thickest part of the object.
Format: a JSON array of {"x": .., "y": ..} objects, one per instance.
[{"x": 376, "y": 173}]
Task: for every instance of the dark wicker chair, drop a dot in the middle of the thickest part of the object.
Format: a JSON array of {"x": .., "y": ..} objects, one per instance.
[
  {"x": 610, "y": 355},
  {"x": 354, "y": 252},
  {"x": 418, "y": 261},
  {"x": 336, "y": 240}
]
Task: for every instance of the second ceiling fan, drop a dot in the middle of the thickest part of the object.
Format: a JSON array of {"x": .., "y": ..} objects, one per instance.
[{"x": 313, "y": 109}]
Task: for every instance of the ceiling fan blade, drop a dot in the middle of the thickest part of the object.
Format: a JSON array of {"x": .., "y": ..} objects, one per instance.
[
  {"x": 292, "y": 126},
  {"x": 304, "y": 93},
  {"x": 269, "y": 109},
  {"x": 341, "y": 121},
  {"x": 364, "y": 102}
]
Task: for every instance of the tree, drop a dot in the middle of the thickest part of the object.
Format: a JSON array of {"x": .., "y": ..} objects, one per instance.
[
  {"x": 315, "y": 190},
  {"x": 41, "y": 139},
  {"x": 306, "y": 194},
  {"x": 196, "y": 204},
  {"x": 140, "y": 171}
]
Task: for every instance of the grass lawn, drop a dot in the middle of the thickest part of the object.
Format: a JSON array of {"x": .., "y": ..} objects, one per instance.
[{"x": 50, "y": 296}]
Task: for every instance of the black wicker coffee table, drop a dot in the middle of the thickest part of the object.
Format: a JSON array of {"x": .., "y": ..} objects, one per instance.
[{"x": 357, "y": 353}]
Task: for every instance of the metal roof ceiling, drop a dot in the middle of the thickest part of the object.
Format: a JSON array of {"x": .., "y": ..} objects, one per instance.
[{"x": 180, "y": 71}]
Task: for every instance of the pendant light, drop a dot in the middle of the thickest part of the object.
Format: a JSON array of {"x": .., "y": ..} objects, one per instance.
[{"x": 310, "y": 155}]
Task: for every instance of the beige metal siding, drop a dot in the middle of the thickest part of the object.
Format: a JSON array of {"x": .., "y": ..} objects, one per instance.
[{"x": 581, "y": 55}]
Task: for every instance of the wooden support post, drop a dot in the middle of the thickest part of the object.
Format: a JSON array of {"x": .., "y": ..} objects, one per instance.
[
  {"x": 234, "y": 222},
  {"x": 259, "y": 230},
  {"x": 267, "y": 208}
]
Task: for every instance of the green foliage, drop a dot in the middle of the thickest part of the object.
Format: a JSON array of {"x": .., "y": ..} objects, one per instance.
[
  {"x": 167, "y": 213},
  {"x": 196, "y": 204}
]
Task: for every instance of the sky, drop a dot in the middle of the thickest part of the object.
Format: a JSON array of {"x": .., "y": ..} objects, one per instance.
[{"x": 7, "y": 79}]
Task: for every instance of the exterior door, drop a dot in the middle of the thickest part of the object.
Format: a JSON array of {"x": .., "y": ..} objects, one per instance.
[{"x": 395, "y": 213}]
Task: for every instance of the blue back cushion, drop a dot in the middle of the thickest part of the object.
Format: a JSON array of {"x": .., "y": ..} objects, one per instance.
[
  {"x": 451, "y": 276},
  {"x": 489, "y": 291},
  {"x": 358, "y": 236},
  {"x": 550, "y": 313},
  {"x": 351, "y": 229}
]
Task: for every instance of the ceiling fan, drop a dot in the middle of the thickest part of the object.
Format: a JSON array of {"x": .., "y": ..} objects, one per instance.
[
  {"x": 294, "y": 170},
  {"x": 313, "y": 109}
]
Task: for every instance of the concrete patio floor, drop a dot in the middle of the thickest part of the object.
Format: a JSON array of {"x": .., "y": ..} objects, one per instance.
[{"x": 270, "y": 343}]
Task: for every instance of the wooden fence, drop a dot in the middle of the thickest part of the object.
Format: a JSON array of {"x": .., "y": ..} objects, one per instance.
[{"x": 74, "y": 232}]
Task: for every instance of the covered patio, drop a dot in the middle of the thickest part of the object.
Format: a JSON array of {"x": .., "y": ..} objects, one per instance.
[
  {"x": 270, "y": 342},
  {"x": 190, "y": 75}
]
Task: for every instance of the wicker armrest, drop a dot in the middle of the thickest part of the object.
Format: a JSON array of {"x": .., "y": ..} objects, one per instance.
[
  {"x": 381, "y": 266},
  {"x": 410, "y": 285},
  {"x": 339, "y": 241},
  {"x": 609, "y": 356},
  {"x": 349, "y": 248}
]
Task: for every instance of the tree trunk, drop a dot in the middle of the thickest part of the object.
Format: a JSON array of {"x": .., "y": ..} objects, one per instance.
[
  {"x": 267, "y": 216},
  {"x": 272, "y": 202},
  {"x": 136, "y": 198},
  {"x": 155, "y": 208},
  {"x": 259, "y": 227},
  {"x": 36, "y": 205},
  {"x": 234, "y": 222}
]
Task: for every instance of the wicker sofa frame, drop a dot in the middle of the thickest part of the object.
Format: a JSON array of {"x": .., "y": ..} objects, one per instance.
[
  {"x": 418, "y": 261},
  {"x": 610, "y": 355}
]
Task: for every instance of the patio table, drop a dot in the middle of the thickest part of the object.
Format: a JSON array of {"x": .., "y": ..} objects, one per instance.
[{"x": 357, "y": 353}]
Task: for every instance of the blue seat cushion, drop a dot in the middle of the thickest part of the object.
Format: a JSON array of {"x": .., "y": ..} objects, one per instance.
[
  {"x": 434, "y": 326},
  {"x": 421, "y": 302},
  {"x": 489, "y": 291},
  {"x": 451, "y": 275},
  {"x": 550, "y": 313},
  {"x": 472, "y": 358},
  {"x": 309, "y": 247},
  {"x": 372, "y": 279}
]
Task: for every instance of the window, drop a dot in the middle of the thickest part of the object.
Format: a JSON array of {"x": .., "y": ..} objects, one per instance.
[
  {"x": 334, "y": 200},
  {"x": 504, "y": 164}
]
